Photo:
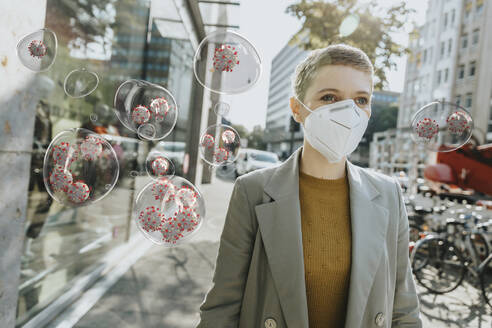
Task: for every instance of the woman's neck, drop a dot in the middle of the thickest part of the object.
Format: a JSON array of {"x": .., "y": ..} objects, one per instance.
[{"x": 315, "y": 164}]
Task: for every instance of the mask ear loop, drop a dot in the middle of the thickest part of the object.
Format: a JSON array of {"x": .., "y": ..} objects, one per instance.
[{"x": 303, "y": 104}]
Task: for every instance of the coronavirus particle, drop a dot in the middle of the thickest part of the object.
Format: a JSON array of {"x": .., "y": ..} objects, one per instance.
[
  {"x": 37, "y": 49},
  {"x": 78, "y": 192},
  {"x": 91, "y": 147},
  {"x": 60, "y": 179},
  {"x": 63, "y": 154},
  {"x": 150, "y": 219},
  {"x": 159, "y": 107},
  {"x": 225, "y": 58},
  {"x": 427, "y": 128},
  {"x": 457, "y": 123},
  {"x": 163, "y": 190},
  {"x": 140, "y": 114},
  {"x": 221, "y": 155},
  {"x": 228, "y": 136},
  {"x": 208, "y": 141},
  {"x": 160, "y": 166}
]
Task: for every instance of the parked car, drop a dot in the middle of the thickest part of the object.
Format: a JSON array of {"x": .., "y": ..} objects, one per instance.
[
  {"x": 250, "y": 159},
  {"x": 175, "y": 151}
]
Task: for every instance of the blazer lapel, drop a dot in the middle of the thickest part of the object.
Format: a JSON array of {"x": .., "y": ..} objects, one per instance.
[
  {"x": 369, "y": 225},
  {"x": 280, "y": 226}
]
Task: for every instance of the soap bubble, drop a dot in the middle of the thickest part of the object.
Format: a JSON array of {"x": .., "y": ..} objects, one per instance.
[
  {"x": 219, "y": 144},
  {"x": 80, "y": 167},
  {"x": 169, "y": 211},
  {"x": 80, "y": 83},
  {"x": 158, "y": 165},
  {"x": 442, "y": 126},
  {"x": 349, "y": 25},
  {"x": 234, "y": 63},
  {"x": 146, "y": 108},
  {"x": 37, "y": 51},
  {"x": 221, "y": 109}
]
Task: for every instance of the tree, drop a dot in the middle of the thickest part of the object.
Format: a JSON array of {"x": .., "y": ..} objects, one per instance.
[
  {"x": 255, "y": 138},
  {"x": 373, "y": 34},
  {"x": 382, "y": 119}
]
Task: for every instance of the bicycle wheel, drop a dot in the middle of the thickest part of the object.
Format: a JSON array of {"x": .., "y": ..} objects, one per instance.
[
  {"x": 486, "y": 282},
  {"x": 414, "y": 232},
  {"x": 438, "y": 265},
  {"x": 480, "y": 244}
]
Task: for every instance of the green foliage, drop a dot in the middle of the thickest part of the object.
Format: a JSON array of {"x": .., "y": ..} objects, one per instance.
[
  {"x": 255, "y": 138},
  {"x": 382, "y": 119},
  {"x": 373, "y": 35}
]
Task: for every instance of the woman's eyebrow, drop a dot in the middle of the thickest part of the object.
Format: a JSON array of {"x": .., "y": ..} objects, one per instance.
[
  {"x": 336, "y": 90},
  {"x": 328, "y": 89}
]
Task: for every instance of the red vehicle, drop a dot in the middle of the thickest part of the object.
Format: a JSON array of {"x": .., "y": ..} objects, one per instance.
[{"x": 469, "y": 167}]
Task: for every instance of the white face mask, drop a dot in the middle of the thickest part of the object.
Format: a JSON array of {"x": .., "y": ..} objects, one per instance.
[{"x": 335, "y": 130}]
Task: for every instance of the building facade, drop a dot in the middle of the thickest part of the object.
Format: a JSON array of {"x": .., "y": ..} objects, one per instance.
[{"x": 450, "y": 61}]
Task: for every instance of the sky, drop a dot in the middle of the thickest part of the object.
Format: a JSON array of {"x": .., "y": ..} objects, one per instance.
[{"x": 266, "y": 25}]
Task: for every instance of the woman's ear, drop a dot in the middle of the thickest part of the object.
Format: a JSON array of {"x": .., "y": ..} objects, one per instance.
[{"x": 295, "y": 108}]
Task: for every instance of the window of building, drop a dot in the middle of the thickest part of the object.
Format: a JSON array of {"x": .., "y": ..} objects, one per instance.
[
  {"x": 458, "y": 100},
  {"x": 453, "y": 14},
  {"x": 461, "y": 71},
  {"x": 445, "y": 20},
  {"x": 450, "y": 46},
  {"x": 438, "y": 77},
  {"x": 479, "y": 7},
  {"x": 443, "y": 46},
  {"x": 464, "y": 41},
  {"x": 468, "y": 100},
  {"x": 468, "y": 7},
  {"x": 475, "y": 36},
  {"x": 424, "y": 59},
  {"x": 446, "y": 74},
  {"x": 472, "y": 68}
]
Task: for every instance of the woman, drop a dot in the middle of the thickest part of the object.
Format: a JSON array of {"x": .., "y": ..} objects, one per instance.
[{"x": 317, "y": 241}]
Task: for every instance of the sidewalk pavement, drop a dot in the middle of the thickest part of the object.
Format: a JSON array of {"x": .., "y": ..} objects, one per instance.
[{"x": 166, "y": 286}]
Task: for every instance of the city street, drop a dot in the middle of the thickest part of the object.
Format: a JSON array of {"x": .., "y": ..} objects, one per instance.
[{"x": 166, "y": 286}]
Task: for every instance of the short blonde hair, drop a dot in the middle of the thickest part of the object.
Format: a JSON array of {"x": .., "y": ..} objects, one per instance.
[{"x": 336, "y": 54}]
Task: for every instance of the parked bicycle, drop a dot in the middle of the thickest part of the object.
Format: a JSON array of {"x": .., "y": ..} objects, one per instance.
[{"x": 441, "y": 260}]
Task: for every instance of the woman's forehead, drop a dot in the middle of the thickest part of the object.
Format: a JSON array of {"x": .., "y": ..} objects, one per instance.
[{"x": 345, "y": 79}]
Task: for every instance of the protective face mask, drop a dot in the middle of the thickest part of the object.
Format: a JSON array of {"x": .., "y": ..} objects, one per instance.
[{"x": 335, "y": 130}]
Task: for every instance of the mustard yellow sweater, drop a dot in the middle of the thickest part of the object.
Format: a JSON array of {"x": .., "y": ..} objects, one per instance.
[{"x": 327, "y": 247}]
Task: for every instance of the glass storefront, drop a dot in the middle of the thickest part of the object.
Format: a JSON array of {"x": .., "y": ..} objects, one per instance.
[{"x": 115, "y": 40}]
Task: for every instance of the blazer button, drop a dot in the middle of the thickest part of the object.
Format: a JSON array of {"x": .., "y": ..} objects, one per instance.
[
  {"x": 270, "y": 323},
  {"x": 379, "y": 319}
]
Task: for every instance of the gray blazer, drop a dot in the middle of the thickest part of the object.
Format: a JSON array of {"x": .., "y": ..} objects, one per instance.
[{"x": 259, "y": 273}]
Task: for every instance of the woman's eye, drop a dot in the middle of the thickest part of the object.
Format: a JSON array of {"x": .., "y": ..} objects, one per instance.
[
  {"x": 362, "y": 101},
  {"x": 328, "y": 98}
]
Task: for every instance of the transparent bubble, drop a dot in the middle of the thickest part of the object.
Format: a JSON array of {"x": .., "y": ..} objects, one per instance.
[
  {"x": 37, "y": 51},
  {"x": 349, "y": 25},
  {"x": 80, "y": 83},
  {"x": 146, "y": 108},
  {"x": 234, "y": 63},
  {"x": 146, "y": 131},
  {"x": 159, "y": 165},
  {"x": 221, "y": 109},
  {"x": 219, "y": 144},
  {"x": 442, "y": 126},
  {"x": 169, "y": 211},
  {"x": 80, "y": 167}
]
